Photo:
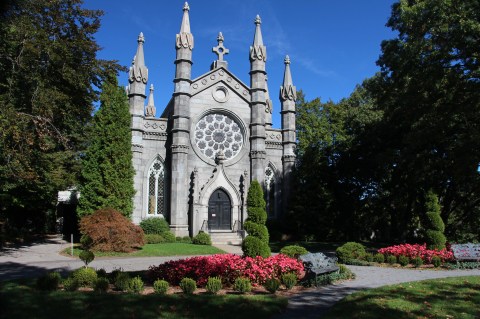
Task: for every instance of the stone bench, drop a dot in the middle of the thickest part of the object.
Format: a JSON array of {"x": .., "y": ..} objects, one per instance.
[
  {"x": 466, "y": 251},
  {"x": 318, "y": 264}
]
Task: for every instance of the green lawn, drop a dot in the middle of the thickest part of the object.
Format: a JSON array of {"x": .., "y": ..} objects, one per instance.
[
  {"x": 448, "y": 298},
  {"x": 152, "y": 250},
  {"x": 21, "y": 301}
]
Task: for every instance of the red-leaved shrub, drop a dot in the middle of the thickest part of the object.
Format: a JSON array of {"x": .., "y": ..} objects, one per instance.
[
  {"x": 111, "y": 231},
  {"x": 416, "y": 250},
  {"x": 228, "y": 267}
]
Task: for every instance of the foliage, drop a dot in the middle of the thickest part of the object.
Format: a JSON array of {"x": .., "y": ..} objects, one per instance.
[
  {"x": 202, "y": 238},
  {"x": 416, "y": 250},
  {"x": 242, "y": 285},
  {"x": 342, "y": 269},
  {"x": 160, "y": 286},
  {"x": 272, "y": 285},
  {"x": 229, "y": 267},
  {"x": 111, "y": 231},
  {"x": 154, "y": 225},
  {"x": 434, "y": 224},
  {"x": 85, "y": 276},
  {"x": 350, "y": 250},
  {"x": 293, "y": 251},
  {"x": 86, "y": 242},
  {"x": 436, "y": 261},
  {"x": 49, "y": 281},
  {"x": 135, "y": 285},
  {"x": 154, "y": 239},
  {"x": 417, "y": 261},
  {"x": 214, "y": 284},
  {"x": 70, "y": 284},
  {"x": 391, "y": 259},
  {"x": 49, "y": 70},
  {"x": 86, "y": 256},
  {"x": 121, "y": 281},
  {"x": 379, "y": 258},
  {"x": 404, "y": 260},
  {"x": 188, "y": 286},
  {"x": 256, "y": 243},
  {"x": 289, "y": 280},
  {"x": 369, "y": 257},
  {"x": 102, "y": 273},
  {"x": 184, "y": 239},
  {"x": 101, "y": 285},
  {"x": 107, "y": 169}
]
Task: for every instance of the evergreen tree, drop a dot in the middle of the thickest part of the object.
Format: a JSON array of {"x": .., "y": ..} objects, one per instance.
[
  {"x": 107, "y": 171},
  {"x": 434, "y": 224},
  {"x": 256, "y": 243}
]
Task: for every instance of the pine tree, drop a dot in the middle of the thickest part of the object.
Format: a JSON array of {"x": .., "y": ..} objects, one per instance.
[
  {"x": 434, "y": 224},
  {"x": 256, "y": 243},
  {"x": 107, "y": 172}
]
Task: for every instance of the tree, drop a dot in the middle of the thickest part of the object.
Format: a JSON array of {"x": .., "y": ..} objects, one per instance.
[
  {"x": 434, "y": 226},
  {"x": 107, "y": 169},
  {"x": 49, "y": 73},
  {"x": 256, "y": 243}
]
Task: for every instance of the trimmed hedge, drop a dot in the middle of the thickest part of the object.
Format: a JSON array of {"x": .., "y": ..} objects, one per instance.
[
  {"x": 350, "y": 250},
  {"x": 202, "y": 238},
  {"x": 253, "y": 246},
  {"x": 155, "y": 225}
]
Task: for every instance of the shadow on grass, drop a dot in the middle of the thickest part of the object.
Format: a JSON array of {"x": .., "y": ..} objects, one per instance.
[{"x": 12, "y": 270}]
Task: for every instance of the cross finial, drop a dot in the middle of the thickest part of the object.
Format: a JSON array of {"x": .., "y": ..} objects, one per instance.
[
  {"x": 287, "y": 60},
  {"x": 220, "y": 50},
  {"x": 258, "y": 20},
  {"x": 141, "y": 38},
  {"x": 186, "y": 7}
]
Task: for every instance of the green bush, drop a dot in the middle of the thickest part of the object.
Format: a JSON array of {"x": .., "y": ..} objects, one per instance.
[
  {"x": 293, "y": 251},
  {"x": 135, "y": 285},
  {"x": 102, "y": 273},
  {"x": 155, "y": 225},
  {"x": 417, "y": 261},
  {"x": 257, "y": 230},
  {"x": 188, "y": 286},
  {"x": 272, "y": 285},
  {"x": 184, "y": 239},
  {"x": 121, "y": 281},
  {"x": 379, "y": 258},
  {"x": 161, "y": 286},
  {"x": 289, "y": 280},
  {"x": 86, "y": 256},
  {"x": 369, "y": 257},
  {"x": 70, "y": 284},
  {"x": 101, "y": 285},
  {"x": 49, "y": 281},
  {"x": 434, "y": 224},
  {"x": 435, "y": 239},
  {"x": 391, "y": 259},
  {"x": 242, "y": 285},
  {"x": 253, "y": 246},
  {"x": 169, "y": 237},
  {"x": 214, "y": 285},
  {"x": 350, "y": 250},
  {"x": 403, "y": 260},
  {"x": 436, "y": 261},
  {"x": 342, "y": 269},
  {"x": 86, "y": 277},
  {"x": 202, "y": 238},
  {"x": 86, "y": 242},
  {"x": 154, "y": 239}
]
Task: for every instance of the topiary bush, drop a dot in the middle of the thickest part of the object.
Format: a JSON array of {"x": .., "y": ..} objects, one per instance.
[
  {"x": 155, "y": 225},
  {"x": 135, "y": 285},
  {"x": 350, "y": 250},
  {"x": 121, "y": 281},
  {"x": 101, "y": 273},
  {"x": 289, "y": 280},
  {"x": 417, "y": 261},
  {"x": 435, "y": 226},
  {"x": 202, "y": 238},
  {"x": 85, "y": 277},
  {"x": 160, "y": 286},
  {"x": 293, "y": 251},
  {"x": 272, "y": 285},
  {"x": 253, "y": 246},
  {"x": 111, "y": 231},
  {"x": 70, "y": 284},
  {"x": 101, "y": 285},
  {"x": 403, "y": 260},
  {"x": 49, "y": 282},
  {"x": 188, "y": 286},
  {"x": 214, "y": 285},
  {"x": 86, "y": 256},
  {"x": 436, "y": 261},
  {"x": 391, "y": 259},
  {"x": 242, "y": 285},
  {"x": 86, "y": 242},
  {"x": 154, "y": 239},
  {"x": 379, "y": 258},
  {"x": 257, "y": 230}
]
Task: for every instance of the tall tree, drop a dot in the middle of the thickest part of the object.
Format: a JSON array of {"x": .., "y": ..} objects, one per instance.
[
  {"x": 49, "y": 73},
  {"x": 107, "y": 169}
]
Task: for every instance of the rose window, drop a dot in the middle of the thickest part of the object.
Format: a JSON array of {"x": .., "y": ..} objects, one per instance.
[{"x": 215, "y": 132}]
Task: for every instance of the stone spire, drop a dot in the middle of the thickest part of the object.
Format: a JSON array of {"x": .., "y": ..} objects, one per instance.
[
  {"x": 150, "y": 109},
  {"x": 185, "y": 37},
  {"x": 287, "y": 90},
  {"x": 268, "y": 106},
  {"x": 220, "y": 50},
  {"x": 138, "y": 71},
  {"x": 258, "y": 50}
]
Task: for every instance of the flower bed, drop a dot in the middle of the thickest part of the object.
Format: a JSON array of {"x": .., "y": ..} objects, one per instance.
[
  {"x": 228, "y": 267},
  {"x": 416, "y": 250}
]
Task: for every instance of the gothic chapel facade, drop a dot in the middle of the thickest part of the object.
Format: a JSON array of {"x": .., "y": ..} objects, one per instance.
[{"x": 194, "y": 163}]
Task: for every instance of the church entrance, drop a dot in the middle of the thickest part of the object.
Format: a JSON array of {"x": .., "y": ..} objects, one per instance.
[{"x": 219, "y": 211}]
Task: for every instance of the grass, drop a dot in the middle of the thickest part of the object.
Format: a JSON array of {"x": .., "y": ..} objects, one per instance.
[
  {"x": 18, "y": 300},
  {"x": 155, "y": 250},
  {"x": 439, "y": 298}
]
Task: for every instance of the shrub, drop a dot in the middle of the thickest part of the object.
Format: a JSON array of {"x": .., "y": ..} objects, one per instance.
[
  {"x": 436, "y": 261},
  {"x": 154, "y": 225},
  {"x": 369, "y": 257},
  {"x": 111, "y": 231},
  {"x": 342, "y": 269},
  {"x": 49, "y": 281},
  {"x": 257, "y": 230},
  {"x": 86, "y": 277},
  {"x": 272, "y": 285},
  {"x": 350, "y": 250},
  {"x": 417, "y": 261},
  {"x": 121, "y": 281},
  {"x": 435, "y": 239},
  {"x": 403, "y": 260},
  {"x": 70, "y": 284},
  {"x": 184, "y": 239},
  {"x": 101, "y": 285},
  {"x": 188, "y": 286},
  {"x": 160, "y": 286},
  {"x": 214, "y": 284},
  {"x": 253, "y": 246},
  {"x": 391, "y": 259},
  {"x": 202, "y": 238},
  {"x": 379, "y": 258},
  {"x": 135, "y": 285},
  {"x": 154, "y": 239},
  {"x": 412, "y": 251},
  {"x": 434, "y": 224},
  {"x": 293, "y": 251},
  {"x": 289, "y": 280},
  {"x": 169, "y": 237},
  {"x": 242, "y": 285},
  {"x": 86, "y": 256},
  {"x": 86, "y": 242},
  {"x": 101, "y": 273}
]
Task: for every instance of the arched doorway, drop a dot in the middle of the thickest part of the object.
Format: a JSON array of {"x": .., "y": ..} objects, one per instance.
[{"x": 219, "y": 211}]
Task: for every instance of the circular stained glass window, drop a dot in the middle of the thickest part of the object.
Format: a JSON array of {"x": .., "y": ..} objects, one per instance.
[{"x": 215, "y": 132}]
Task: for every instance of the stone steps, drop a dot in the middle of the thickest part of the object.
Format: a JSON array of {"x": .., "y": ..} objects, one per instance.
[{"x": 227, "y": 238}]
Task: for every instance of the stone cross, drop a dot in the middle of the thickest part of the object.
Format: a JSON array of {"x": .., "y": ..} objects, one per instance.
[{"x": 220, "y": 50}]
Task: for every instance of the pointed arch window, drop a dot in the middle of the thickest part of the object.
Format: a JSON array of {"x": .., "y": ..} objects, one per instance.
[
  {"x": 156, "y": 188},
  {"x": 270, "y": 191}
]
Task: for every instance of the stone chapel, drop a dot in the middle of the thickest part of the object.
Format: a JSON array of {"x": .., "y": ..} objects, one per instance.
[{"x": 195, "y": 161}]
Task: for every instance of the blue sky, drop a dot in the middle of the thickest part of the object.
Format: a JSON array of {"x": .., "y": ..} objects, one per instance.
[{"x": 333, "y": 45}]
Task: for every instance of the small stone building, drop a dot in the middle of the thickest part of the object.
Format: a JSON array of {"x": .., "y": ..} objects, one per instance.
[{"x": 194, "y": 162}]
